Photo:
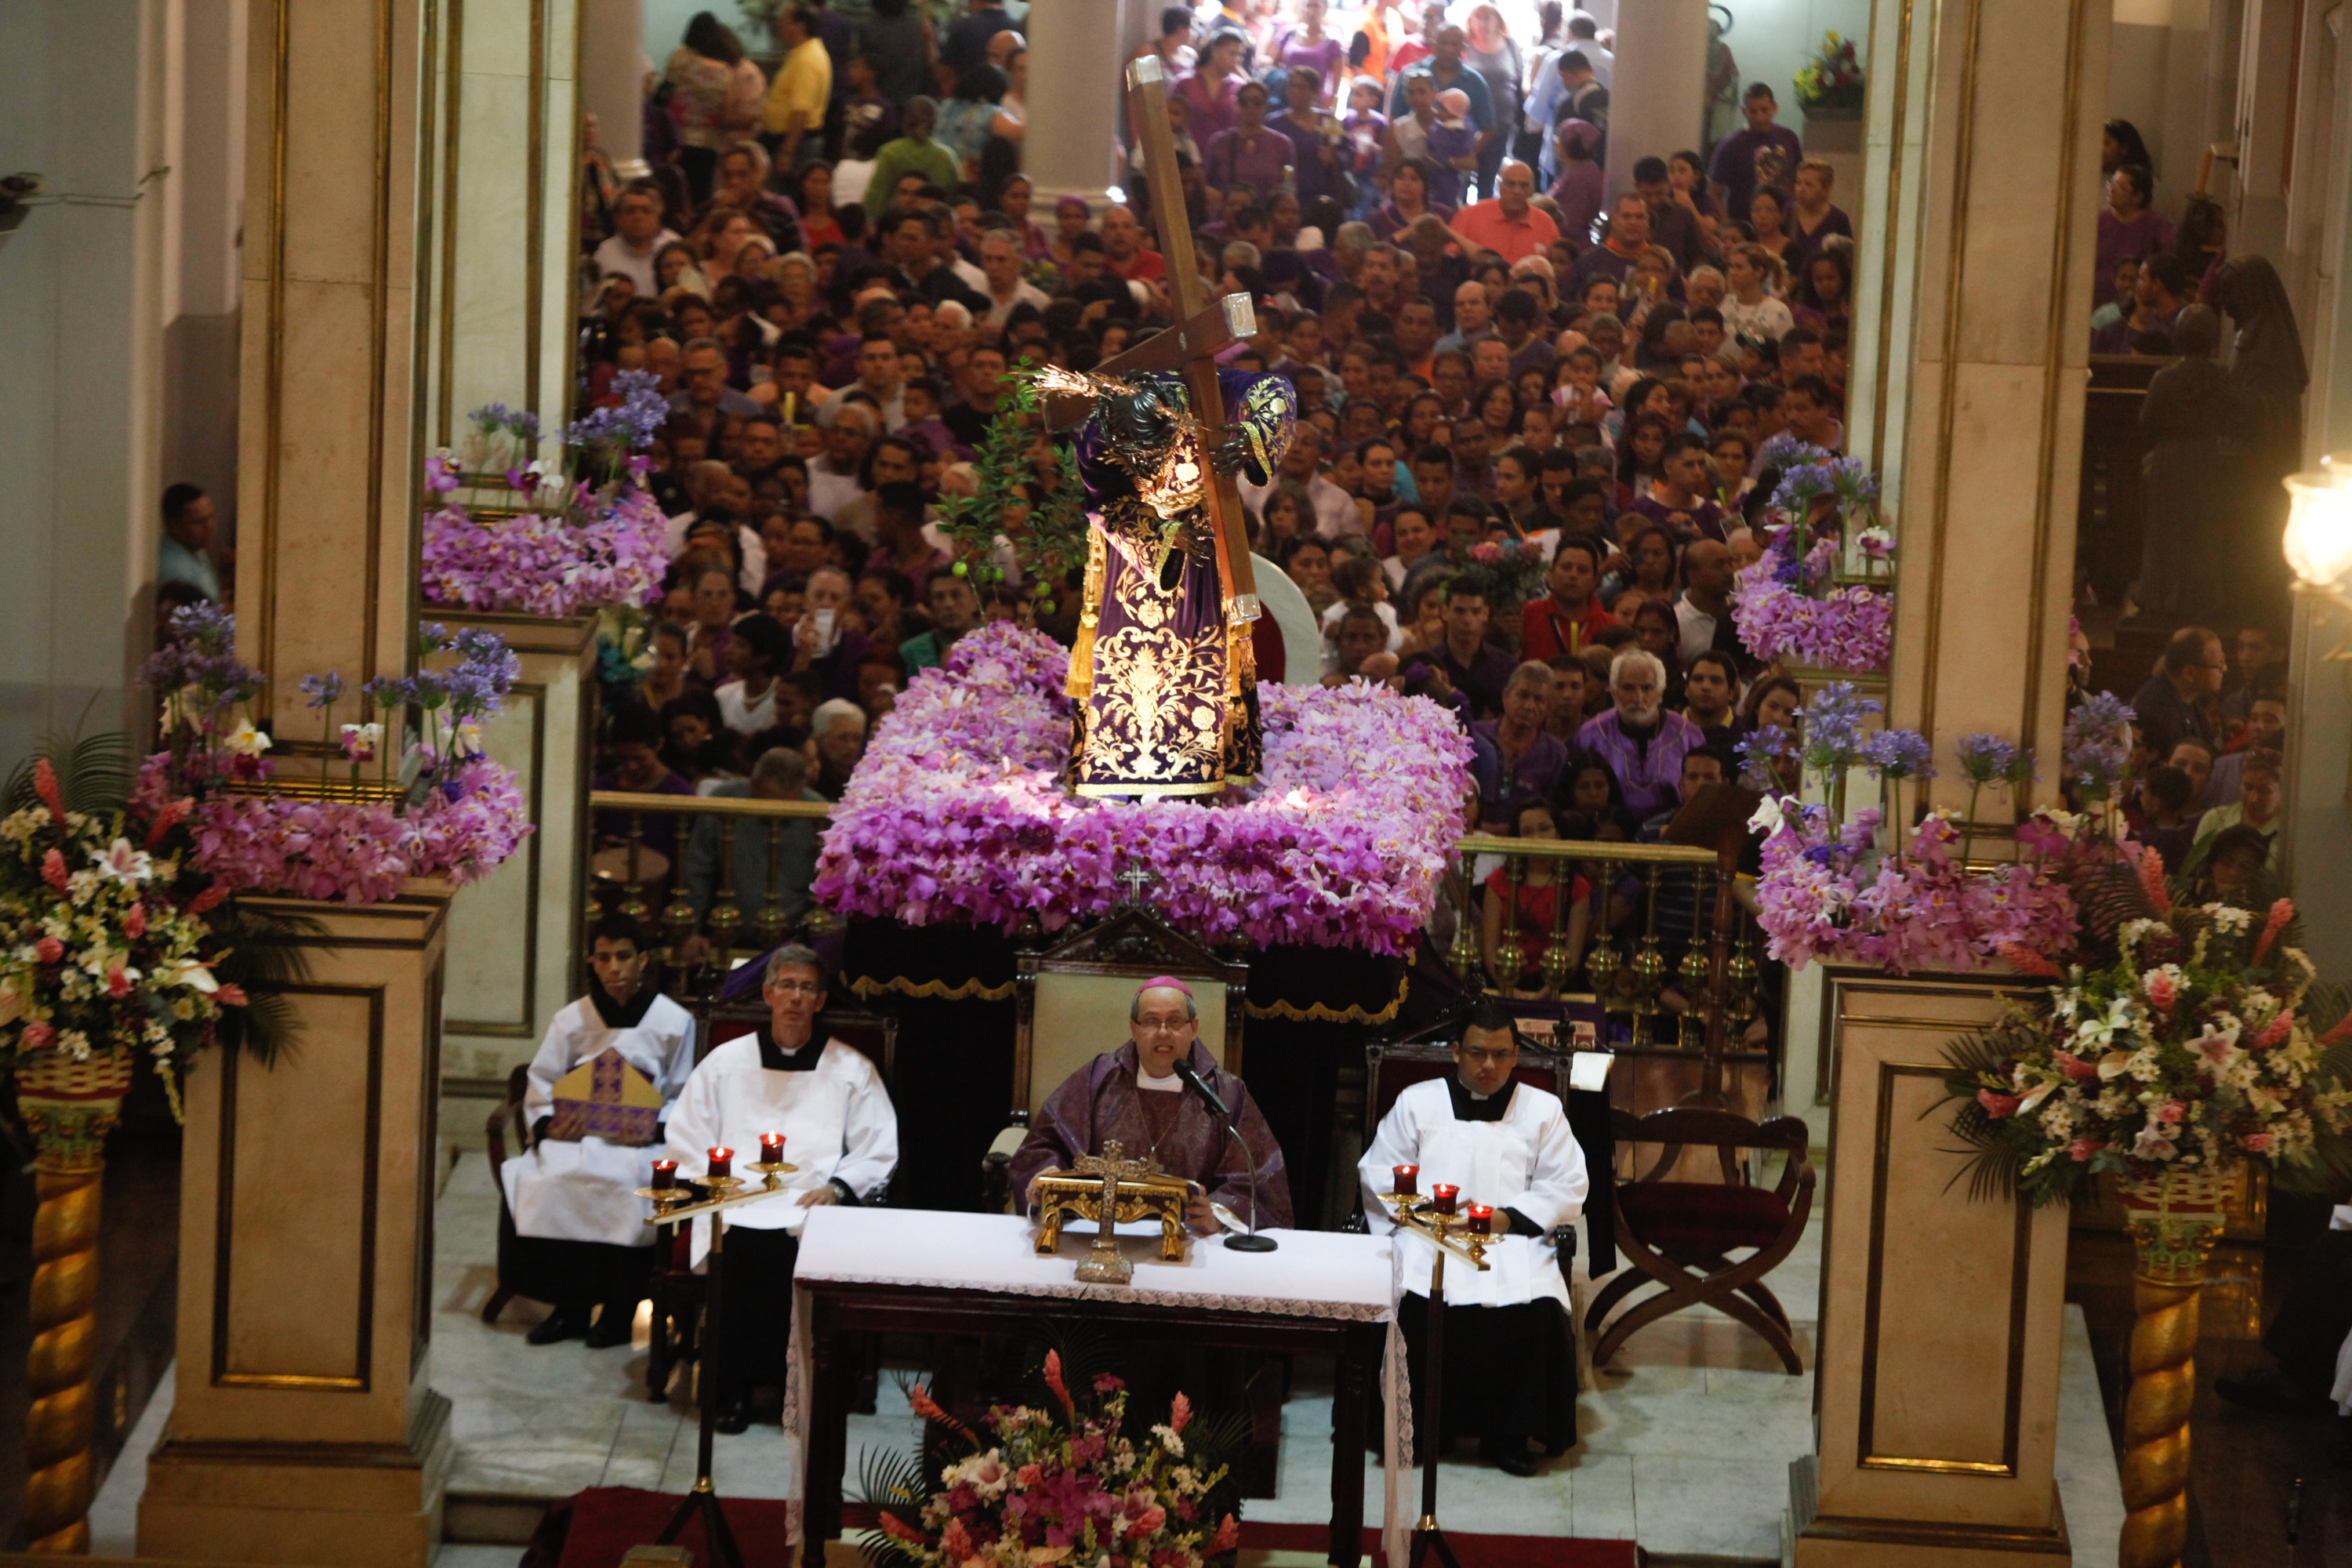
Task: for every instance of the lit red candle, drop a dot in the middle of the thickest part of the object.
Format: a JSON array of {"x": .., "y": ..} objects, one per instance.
[
  {"x": 771, "y": 1148},
  {"x": 1408, "y": 1180},
  {"x": 1482, "y": 1218},
  {"x": 665, "y": 1175},
  {"x": 722, "y": 1162},
  {"x": 1444, "y": 1195}
]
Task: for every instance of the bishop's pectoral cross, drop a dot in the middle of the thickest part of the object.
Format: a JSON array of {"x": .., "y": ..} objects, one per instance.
[
  {"x": 1207, "y": 326},
  {"x": 1105, "y": 1264}
]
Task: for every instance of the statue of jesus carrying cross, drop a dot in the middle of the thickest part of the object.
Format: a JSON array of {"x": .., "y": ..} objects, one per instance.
[{"x": 1162, "y": 667}]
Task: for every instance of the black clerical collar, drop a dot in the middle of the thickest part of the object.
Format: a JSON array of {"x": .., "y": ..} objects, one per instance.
[
  {"x": 623, "y": 1016},
  {"x": 774, "y": 1058},
  {"x": 1468, "y": 1107}
]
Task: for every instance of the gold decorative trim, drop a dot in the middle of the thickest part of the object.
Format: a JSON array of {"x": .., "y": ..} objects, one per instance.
[
  {"x": 453, "y": 80},
  {"x": 1316, "y": 1013},
  {"x": 224, "y": 1214},
  {"x": 534, "y": 207},
  {"x": 379, "y": 365},
  {"x": 865, "y": 985}
]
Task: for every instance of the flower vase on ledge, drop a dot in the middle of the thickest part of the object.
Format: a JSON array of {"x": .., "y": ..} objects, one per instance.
[{"x": 2174, "y": 1219}]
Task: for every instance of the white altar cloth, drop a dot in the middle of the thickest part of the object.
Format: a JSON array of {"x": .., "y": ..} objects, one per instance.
[{"x": 1312, "y": 1273}]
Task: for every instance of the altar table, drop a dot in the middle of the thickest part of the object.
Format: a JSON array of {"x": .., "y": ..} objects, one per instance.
[{"x": 928, "y": 1271}]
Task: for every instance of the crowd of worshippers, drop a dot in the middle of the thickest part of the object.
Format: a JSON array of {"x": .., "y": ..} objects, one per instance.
[
  {"x": 576, "y": 1238},
  {"x": 834, "y": 270},
  {"x": 2205, "y": 785}
]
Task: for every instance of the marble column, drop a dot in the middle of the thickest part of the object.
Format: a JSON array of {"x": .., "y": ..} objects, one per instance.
[
  {"x": 304, "y": 1429},
  {"x": 500, "y": 147},
  {"x": 1936, "y": 1426},
  {"x": 611, "y": 80},
  {"x": 1658, "y": 102},
  {"x": 1078, "y": 51}
]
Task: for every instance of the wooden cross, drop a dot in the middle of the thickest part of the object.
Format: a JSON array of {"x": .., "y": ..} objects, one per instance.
[
  {"x": 1208, "y": 325},
  {"x": 1105, "y": 1264}
]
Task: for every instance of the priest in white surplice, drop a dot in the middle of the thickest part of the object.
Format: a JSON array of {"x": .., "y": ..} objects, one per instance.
[
  {"x": 1510, "y": 1358},
  {"x": 580, "y": 1238},
  {"x": 839, "y": 1128}
]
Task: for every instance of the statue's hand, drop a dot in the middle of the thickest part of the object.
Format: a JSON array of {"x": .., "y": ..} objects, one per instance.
[{"x": 1229, "y": 455}]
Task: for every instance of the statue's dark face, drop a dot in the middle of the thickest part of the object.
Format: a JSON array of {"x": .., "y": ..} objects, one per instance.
[{"x": 1140, "y": 422}]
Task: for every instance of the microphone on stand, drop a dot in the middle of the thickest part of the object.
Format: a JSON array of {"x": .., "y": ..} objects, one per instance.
[{"x": 1191, "y": 1078}]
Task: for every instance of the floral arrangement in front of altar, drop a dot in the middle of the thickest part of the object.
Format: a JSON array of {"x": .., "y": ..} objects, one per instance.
[
  {"x": 1832, "y": 79},
  {"x": 2200, "y": 1043},
  {"x": 1056, "y": 1485},
  {"x": 589, "y": 534},
  {"x": 958, "y": 813},
  {"x": 1797, "y": 604},
  {"x": 1849, "y": 889},
  {"x": 358, "y": 832}
]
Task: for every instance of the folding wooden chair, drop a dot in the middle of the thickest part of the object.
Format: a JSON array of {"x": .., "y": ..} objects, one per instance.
[{"x": 1679, "y": 1234}]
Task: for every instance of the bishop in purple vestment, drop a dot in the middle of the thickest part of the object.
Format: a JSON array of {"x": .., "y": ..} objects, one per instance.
[{"x": 1133, "y": 1096}]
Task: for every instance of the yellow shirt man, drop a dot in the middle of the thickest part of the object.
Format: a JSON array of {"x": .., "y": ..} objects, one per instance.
[{"x": 803, "y": 84}]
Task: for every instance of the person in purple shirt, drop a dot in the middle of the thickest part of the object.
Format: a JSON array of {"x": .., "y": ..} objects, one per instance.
[
  {"x": 1319, "y": 164},
  {"x": 1763, "y": 154},
  {"x": 1253, "y": 153},
  {"x": 1525, "y": 763},
  {"x": 2128, "y": 226},
  {"x": 1678, "y": 500},
  {"x": 1642, "y": 744},
  {"x": 637, "y": 768}
]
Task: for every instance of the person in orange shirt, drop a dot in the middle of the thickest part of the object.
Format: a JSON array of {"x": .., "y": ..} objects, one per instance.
[{"x": 1507, "y": 223}]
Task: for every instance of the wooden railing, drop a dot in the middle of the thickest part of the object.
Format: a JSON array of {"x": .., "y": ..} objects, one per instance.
[{"x": 1626, "y": 974}]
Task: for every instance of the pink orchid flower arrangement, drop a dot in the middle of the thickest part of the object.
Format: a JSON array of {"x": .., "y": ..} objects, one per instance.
[
  {"x": 590, "y": 535},
  {"x": 1798, "y": 605},
  {"x": 1067, "y": 1483},
  {"x": 958, "y": 813},
  {"x": 451, "y": 811}
]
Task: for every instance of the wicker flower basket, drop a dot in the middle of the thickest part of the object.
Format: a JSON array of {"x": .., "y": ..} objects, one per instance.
[
  {"x": 2175, "y": 1219},
  {"x": 60, "y": 1078}
]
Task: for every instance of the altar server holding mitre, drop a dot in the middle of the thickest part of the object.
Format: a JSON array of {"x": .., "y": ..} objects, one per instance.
[
  {"x": 600, "y": 1087},
  {"x": 1510, "y": 1362},
  {"x": 839, "y": 1129}
]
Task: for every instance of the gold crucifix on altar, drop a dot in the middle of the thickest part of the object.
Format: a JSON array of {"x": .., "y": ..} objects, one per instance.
[{"x": 1108, "y": 1188}]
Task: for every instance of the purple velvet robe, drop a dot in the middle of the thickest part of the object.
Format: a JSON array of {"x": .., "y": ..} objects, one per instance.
[
  {"x": 1099, "y": 1103},
  {"x": 1166, "y": 689}
]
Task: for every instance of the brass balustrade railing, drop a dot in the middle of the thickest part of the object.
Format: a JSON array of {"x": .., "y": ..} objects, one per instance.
[{"x": 1717, "y": 974}]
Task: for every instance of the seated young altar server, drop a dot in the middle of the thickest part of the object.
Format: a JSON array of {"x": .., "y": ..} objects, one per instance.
[
  {"x": 1510, "y": 1359},
  {"x": 580, "y": 1239},
  {"x": 839, "y": 1127},
  {"x": 1133, "y": 1097}
]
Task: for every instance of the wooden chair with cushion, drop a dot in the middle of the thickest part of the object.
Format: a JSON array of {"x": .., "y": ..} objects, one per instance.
[
  {"x": 1072, "y": 1005},
  {"x": 676, "y": 1289},
  {"x": 1680, "y": 1234},
  {"x": 507, "y": 1116}
]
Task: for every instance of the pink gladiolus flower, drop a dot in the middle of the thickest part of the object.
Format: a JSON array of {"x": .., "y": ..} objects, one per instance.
[
  {"x": 1054, "y": 1380},
  {"x": 2162, "y": 991},
  {"x": 1180, "y": 1412},
  {"x": 118, "y": 984},
  {"x": 231, "y": 996},
  {"x": 48, "y": 950},
  {"x": 2075, "y": 1067},
  {"x": 45, "y": 784},
  {"x": 134, "y": 923},
  {"x": 39, "y": 1036},
  {"x": 2281, "y": 911},
  {"x": 53, "y": 870},
  {"x": 2082, "y": 1149},
  {"x": 1229, "y": 1535},
  {"x": 2275, "y": 1031},
  {"x": 1999, "y": 1106},
  {"x": 898, "y": 1530},
  {"x": 2259, "y": 1142}
]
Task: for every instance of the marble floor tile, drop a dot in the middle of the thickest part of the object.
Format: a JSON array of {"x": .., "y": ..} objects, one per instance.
[
  {"x": 509, "y": 1444},
  {"x": 1697, "y": 1423},
  {"x": 2087, "y": 1483},
  {"x": 452, "y": 1555},
  {"x": 648, "y": 1436},
  {"x": 1601, "y": 1496},
  {"x": 1709, "y": 1507},
  {"x": 114, "y": 1512}
]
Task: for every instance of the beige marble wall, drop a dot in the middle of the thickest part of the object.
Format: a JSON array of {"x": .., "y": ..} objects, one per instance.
[
  {"x": 514, "y": 936},
  {"x": 501, "y": 142},
  {"x": 304, "y": 1429},
  {"x": 1997, "y": 372},
  {"x": 326, "y": 540}
]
